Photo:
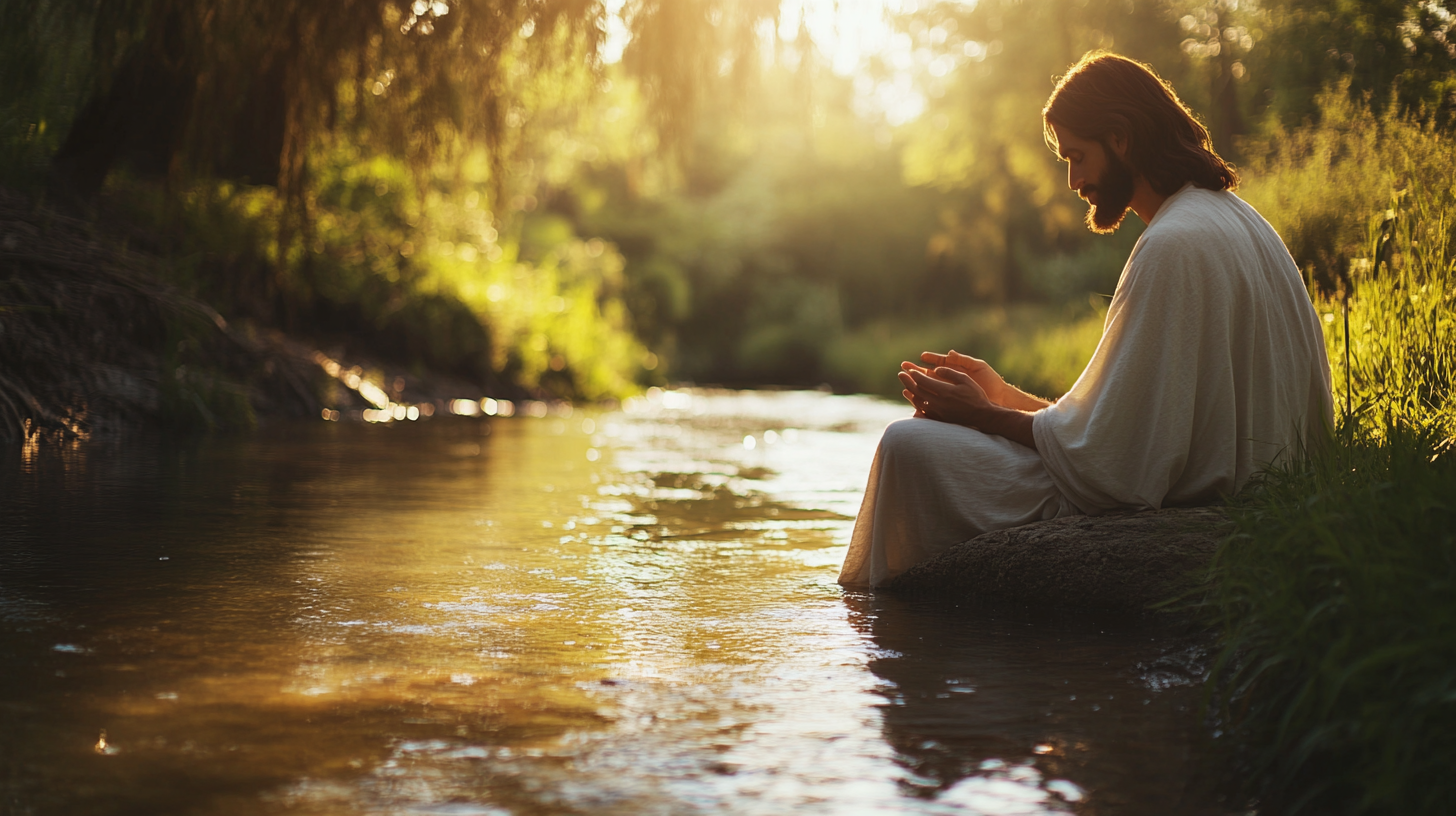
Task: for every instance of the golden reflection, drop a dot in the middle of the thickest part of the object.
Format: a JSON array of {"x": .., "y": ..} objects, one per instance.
[
  {"x": 464, "y": 407},
  {"x": 386, "y": 409},
  {"x": 29, "y": 446}
]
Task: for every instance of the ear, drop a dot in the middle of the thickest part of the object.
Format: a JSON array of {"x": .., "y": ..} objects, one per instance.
[{"x": 1118, "y": 142}]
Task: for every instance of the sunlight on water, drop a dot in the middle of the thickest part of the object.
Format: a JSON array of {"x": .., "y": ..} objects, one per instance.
[{"x": 627, "y": 612}]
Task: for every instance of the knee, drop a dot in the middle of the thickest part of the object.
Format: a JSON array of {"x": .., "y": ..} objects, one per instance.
[{"x": 907, "y": 435}]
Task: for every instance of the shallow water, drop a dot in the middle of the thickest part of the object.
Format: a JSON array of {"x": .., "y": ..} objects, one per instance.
[{"x": 623, "y": 613}]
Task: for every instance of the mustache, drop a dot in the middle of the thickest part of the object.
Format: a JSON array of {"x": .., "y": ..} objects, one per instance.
[{"x": 1086, "y": 191}]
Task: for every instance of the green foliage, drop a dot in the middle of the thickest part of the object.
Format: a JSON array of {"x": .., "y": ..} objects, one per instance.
[
  {"x": 980, "y": 139},
  {"x": 244, "y": 90},
  {"x": 1041, "y": 349},
  {"x": 1069, "y": 277},
  {"x": 775, "y": 237},
  {"x": 1365, "y": 204},
  {"x": 1337, "y": 600},
  {"x": 372, "y": 125},
  {"x": 1391, "y": 52},
  {"x": 41, "y": 50},
  {"x": 1319, "y": 186},
  {"x": 1401, "y": 345},
  {"x": 198, "y": 399},
  {"x": 1337, "y": 594},
  {"x": 433, "y": 275}
]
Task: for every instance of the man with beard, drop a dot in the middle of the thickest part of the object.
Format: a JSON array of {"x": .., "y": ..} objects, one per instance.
[{"x": 1211, "y": 364}]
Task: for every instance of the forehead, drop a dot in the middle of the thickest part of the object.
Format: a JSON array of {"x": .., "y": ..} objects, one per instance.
[{"x": 1068, "y": 141}]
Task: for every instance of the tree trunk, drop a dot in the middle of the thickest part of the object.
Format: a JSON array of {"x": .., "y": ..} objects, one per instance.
[{"x": 139, "y": 119}]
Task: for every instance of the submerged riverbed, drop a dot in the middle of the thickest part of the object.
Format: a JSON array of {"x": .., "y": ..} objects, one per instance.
[{"x": 629, "y": 612}]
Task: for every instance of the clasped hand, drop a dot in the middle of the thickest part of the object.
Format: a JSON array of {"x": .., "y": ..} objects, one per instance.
[{"x": 952, "y": 387}]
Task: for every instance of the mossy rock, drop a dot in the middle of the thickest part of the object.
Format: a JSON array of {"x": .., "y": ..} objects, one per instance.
[{"x": 1127, "y": 562}]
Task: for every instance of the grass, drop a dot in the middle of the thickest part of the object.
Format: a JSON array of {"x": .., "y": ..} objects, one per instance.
[
  {"x": 1337, "y": 600},
  {"x": 1336, "y": 595}
]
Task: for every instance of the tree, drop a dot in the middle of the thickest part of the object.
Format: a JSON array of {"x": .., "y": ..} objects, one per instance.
[
  {"x": 239, "y": 89},
  {"x": 1388, "y": 50}
]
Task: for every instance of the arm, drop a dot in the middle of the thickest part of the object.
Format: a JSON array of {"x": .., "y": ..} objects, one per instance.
[
  {"x": 1022, "y": 401},
  {"x": 951, "y": 395}
]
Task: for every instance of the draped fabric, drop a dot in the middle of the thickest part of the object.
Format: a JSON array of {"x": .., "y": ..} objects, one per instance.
[
  {"x": 1211, "y": 365},
  {"x": 933, "y": 485}
]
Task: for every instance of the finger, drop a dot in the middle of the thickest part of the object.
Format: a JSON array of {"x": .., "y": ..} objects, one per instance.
[
  {"x": 925, "y": 383},
  {"x": 955, "y": 358},
  {"x": 960, "y": 379},
  {"x": 953, "y": 375},
  {"x": 914, "y": 402},
  {"x": 909, "y": 366},
  {"x": 907, "y": 379},
  {"x": 932, "y": 358}
]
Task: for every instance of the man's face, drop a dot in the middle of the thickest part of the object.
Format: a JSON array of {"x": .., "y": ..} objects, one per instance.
[{"x": 1100, "y": 177}]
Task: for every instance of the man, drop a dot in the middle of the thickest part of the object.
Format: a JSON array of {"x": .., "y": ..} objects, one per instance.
[{"x": 1211, "y": 363}]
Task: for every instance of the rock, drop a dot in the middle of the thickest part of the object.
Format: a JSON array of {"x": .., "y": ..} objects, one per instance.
[{"x": 1123, "y": 562}]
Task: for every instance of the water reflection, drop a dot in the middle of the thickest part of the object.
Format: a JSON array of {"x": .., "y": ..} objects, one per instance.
[
  {"x": 630, "y": 612},
  {"x": 1069, "y": 704}
]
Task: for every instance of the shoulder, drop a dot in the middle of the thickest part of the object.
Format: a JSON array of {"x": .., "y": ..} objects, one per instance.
[
  {"x": 1194, "y": 224},
  {"x": 1182, "y": 253},
  {"x": 1196, "y": 213}
]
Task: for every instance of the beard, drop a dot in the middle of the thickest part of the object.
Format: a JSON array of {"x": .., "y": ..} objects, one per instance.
[{"x": 1114, "y": 193}]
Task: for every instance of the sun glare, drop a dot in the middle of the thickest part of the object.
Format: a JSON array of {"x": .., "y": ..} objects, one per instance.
[
  {"x": 849, "y": 34},
  {"x": 617, "y": 33}
]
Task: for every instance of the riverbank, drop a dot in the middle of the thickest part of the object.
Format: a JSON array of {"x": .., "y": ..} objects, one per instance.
[{"x": 96, "y": 340}]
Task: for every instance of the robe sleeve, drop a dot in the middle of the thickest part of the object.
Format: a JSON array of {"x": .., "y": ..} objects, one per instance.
[{"x": 1120, "y": 438}]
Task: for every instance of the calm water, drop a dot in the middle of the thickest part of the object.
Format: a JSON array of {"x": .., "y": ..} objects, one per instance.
[{"x": 618, "y": 613}]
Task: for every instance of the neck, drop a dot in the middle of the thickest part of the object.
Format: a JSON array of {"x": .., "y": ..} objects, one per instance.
[{"x": 1145, "y": 200}]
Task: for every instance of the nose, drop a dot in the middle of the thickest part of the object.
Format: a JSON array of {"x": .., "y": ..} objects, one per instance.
[{"x": 1074, "y": 176}]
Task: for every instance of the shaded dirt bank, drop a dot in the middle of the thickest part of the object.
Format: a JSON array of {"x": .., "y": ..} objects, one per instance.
[{"x": 94, "y": 341}]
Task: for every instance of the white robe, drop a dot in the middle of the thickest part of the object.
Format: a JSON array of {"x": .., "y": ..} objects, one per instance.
[{"x": 1211, "y": 365}]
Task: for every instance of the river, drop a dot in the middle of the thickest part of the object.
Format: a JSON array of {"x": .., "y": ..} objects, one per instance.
[{"x": 614, "y": 612}]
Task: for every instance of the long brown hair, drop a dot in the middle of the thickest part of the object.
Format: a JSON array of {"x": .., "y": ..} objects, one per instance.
[{"x": 1105, "y": 93}]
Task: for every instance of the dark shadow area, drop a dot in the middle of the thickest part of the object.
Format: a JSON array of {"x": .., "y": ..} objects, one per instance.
[{"x": 1110, "y": 703}]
